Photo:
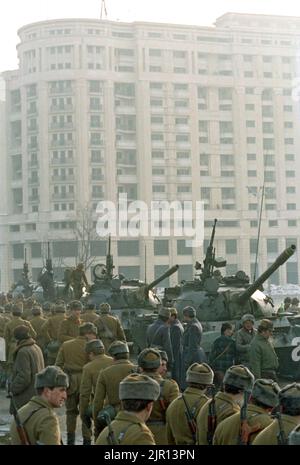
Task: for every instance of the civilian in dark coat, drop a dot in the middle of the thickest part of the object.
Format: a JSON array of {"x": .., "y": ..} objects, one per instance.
[
  {"x": 28, "y": 360},
  {"x": 223, "y": 353},
  {"x": 192, "y": 351},
  {"x": 158, "y": 334},
  {"x": 176, "y": 334}
]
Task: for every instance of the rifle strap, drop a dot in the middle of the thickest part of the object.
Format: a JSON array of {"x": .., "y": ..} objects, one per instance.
[
  {"x": 191, "y": 409},
  {"x": 222, "y": 353},
  {"x": 31, "y": 414}
]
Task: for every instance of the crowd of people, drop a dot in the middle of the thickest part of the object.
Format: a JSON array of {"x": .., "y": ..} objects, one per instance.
[{"x": 173, "y": 394}]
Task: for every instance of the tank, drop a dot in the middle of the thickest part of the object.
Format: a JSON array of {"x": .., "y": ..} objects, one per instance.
[
  {"x": 49, "y": 289},
  {"x": 128, "y": 298},
  {"x": 219, "y": 299}
]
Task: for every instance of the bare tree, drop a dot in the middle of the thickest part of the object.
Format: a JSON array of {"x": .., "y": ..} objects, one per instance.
[{"x": 85, "y": 233}]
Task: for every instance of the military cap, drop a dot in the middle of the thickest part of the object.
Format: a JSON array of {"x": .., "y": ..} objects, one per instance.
[
  {"x": 17, "y": 309},
  {"x": 36, "y": 310},
  {"x": 94, "y": 346},
  {"x": 75, "y": 305},
  {"x": 140, "y": 387},
  {"x": 51, "y": 376},
  {"x": 60, "y": 308},
  {"x": 266, "y": 391},
  {"x": 287, "y": 300},
  {"x": 240, "y": 377},
  {"x": 149, "y": 359},
  {"x": 295, "y": 301},
  {"x": 265, "y": 325},
  {"x": 200, "y": 374},
  {"x": 118, "y": 347},
  {"x": 247, "y": 317},
  {"x": 105, "y": 308},
  {"x": 165, "y": 312},
  {"x": 294, "y": 436},
  {"x": 189, "y": 311},
  {"x": 289, "y": 396},
  {"x": 87, "y": 328},
  {"x": 21, "y": 332}
]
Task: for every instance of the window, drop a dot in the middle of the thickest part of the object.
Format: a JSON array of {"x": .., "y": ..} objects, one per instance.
[
  {"x": 128, "y": 248},
  {"x": 291, "y": 190},
  {"x": 65, "y": 248},
  {"x": 291, "y": 206},
  {"x": 273, "y": 223},
  {"x": 251, "y": 156},
  {"x": 290, "y": 173},
  {"x": 292, "y": 223},
  {"x": 249, "y": 107},
  {"x": 253, "y": 245},
  {"x": 158, "y": 271},
  {"x": 231, "y": 246},
  {"x": 292, "y": 273},
  {"x": 182, "y": 248},
  {"x": 252, "y": 173},
  {"x": 250, "y": 124},
  {"x": 18, "y": 251},
  {"x": 161, "y": 247},
  {"x": 272, "y": 246},
  {"x": 157, "y": 154}
]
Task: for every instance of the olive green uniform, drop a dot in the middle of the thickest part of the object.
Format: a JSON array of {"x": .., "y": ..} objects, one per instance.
[
  {"x": 269, "y": 435},
  {"x": 109, "y": 330},
  {"x": 37, "y": 323},
  {"x": 169, "y": 391},
  {"x": 243, "y": 340},
  {"x": 69, "y": 329},
  {"x": 227, "y": 432},
  {"x": 10, "y": 341},
  {"x": 88, "y": 383},
  {"x": 3, "y": 321},
  {"x": 50, "y": 332},
  {"x": 42, "y": 426},
  {"x": 89, "y": 316},
  {"x": 108, "y": 385},
  {"x": 225, "y": 407},
  {"x": 72, "y": 358},
  {"x": 78, "y": 280},
  {"x": 178, "y": 430},
  {"x": 263, "y": 358},
  {"x": 128, "y": 430}
]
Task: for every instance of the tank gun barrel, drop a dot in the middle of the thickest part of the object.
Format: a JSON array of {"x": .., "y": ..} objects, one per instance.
[
  {"x": 280, "y": 260},
  {"x": 168, "y": 273},
  {"x": 25, "y": 265},
  {"x": 49, "y": 265}
]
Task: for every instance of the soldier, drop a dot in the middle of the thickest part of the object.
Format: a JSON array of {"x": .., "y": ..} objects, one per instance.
[
  {"x": 149, "y": 361},
  {"x": 10, "y": 341},
  {"x": 38, "y": 416},
  {"x": 284, "y": 307},
  {"x": 263, "y": 400},
  {"x": 243, "y": 339},
  {"x": 137, "y": 393},
  {"x": 47, "y": 308},
  {"x": 109, "y": 327},
  {"x": 108, "y": 382},
  {"x": 69, "y": 327},
  {"x": 72, "y": 358},
  {"x": 78, "y": 280},
  {"x": 222, "y": 355},
  {"x": 180, "y": 430},
  {"x": 192, "y": 351},
  {"x": 90, "y": 373},
  {"x": 163, "y": 369},
  {"x": 28, "y": 360},
  {"x": 50, "y": 331},
  {"x": 263, "y": 358},
  {"x": 89, "y": 315},
  {"x": 176, "y": 335},
  {"x": 288, "y": 418},
  {"x": 294, "y": 308},
  {"x": 237, "y": 379},
  {"x": 294, "y": 437},
  {"x": 37, "y": 321},
  {"x": 158, "y": 334}
]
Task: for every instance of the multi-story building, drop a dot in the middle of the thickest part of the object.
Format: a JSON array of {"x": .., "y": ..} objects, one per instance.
[{"x": 160, "y": 112}]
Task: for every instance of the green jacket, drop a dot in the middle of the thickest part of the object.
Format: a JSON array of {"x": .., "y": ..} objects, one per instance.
[
  {"x": 269, "y": 435},
  {"x": 262, "y": 356},
  {"x": 40, "y": 421}
]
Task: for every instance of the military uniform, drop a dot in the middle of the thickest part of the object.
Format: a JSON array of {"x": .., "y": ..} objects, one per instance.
[
  {"x": 37, "y": 323},
  {"x": 192, "y": 350},
  {"x": 10, "y": 341},
  {"x": 269, "y": 435},
  {"x": 243, "y": 340},
  {"x": 72, "y": 358},
  {"x": 78, "y": 279},
  {"x": 89, "y": 316},
  {"x": 69, "y": 329},
  {"x": 109, "y": 330},
  {"x": 179, "y": 430},
  {"x": 40, "y": 422},
  {"x": 128, "y": 431},
  {"x": 50, "y": 331},
  {"x": 3, "y": 320},
  {"x": 263, "y": 358}
]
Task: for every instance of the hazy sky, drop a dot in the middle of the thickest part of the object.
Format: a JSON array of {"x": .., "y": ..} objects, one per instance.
[{"x": 17, "y": 13}]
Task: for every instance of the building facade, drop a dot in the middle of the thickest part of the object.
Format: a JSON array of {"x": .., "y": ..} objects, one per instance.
[{"x": 159, "y": 112}]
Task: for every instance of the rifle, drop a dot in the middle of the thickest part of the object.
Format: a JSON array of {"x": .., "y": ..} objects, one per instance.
[
  {"x": 212, "y": 417},
  {"x": 190, "y": 419},
  {"x": 281, "y": 436},
  {"x": 111, "y": 435},
  {"x": 19, "y": 425},
  {"x": 244, "y": 427}
]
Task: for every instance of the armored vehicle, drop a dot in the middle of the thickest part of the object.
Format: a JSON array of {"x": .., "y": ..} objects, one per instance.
[
  {"x": 128, "y": 298},
  {"x": 218, "y": 299}
]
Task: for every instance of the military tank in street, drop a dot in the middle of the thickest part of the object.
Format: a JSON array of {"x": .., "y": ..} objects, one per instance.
[
  {"x": 129, "y": 299},
  {"x": 219, "y": 299}
]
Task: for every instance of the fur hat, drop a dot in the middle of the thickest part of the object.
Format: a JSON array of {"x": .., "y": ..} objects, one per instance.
[
  {"x": 105, "y": 308},
  {"x": 200, "y": 374},
  {"x": 95, "y": 346},
  {"x": 149, "y": 359},
  {"x": 118, "y": 347},
  {"x": 189, "y": 311},
  {"x": 21, "y": 332},
  {"x": 240, "y": 377},
  {"x": 289, "y": 396},
  {"x": 266, "y": 391},
  {"x": 138, "y": 386},
  {"x": 52, "y": 376},
  {"x": 248, "y": 317}
]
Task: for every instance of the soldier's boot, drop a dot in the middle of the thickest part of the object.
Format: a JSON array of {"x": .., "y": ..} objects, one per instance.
[
  {"x": 86, "y": 442},
  {"x": 71, "y": 439}
]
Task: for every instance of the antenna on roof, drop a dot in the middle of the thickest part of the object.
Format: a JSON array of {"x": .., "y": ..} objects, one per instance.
[{"x": 103, "y": 9}]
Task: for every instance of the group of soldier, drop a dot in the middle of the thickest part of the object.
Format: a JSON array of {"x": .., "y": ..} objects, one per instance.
[{"x": 173, "y": 395}]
